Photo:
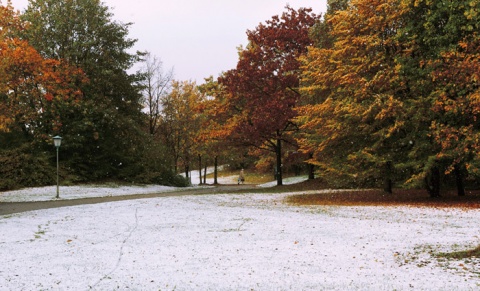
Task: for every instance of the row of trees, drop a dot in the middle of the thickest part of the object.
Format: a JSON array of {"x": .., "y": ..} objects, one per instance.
[
  {"x": 373, "y": 93},
  {"x": 64, "y": 71},
  {"x": 393, "y": 87}
]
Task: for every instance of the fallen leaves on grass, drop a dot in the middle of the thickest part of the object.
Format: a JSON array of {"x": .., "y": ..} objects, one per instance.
[{"x": 413, "y": 198}]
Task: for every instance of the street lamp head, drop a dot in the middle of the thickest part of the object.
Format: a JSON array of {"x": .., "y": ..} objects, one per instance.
[{"x": 57, "y": 141}]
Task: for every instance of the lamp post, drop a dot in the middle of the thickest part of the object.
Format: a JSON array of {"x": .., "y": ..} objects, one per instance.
[{"x": 57, "y": 141}]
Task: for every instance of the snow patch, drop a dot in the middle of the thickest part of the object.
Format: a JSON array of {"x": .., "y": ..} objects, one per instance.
[{"x": 235, "y": 242}]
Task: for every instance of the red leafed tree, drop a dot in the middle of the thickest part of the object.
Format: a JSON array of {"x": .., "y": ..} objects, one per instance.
[{"x": 262, "y": 90}]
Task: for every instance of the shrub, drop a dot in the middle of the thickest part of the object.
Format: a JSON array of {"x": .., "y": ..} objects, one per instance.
[
  {"x": 22, "y": 168},
  {"x": 166, "y": 178}
]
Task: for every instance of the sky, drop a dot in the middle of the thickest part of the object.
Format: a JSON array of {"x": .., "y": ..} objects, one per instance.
[
  {"x": 231, "y": 241},
  {"x": 197, "y": 38}
]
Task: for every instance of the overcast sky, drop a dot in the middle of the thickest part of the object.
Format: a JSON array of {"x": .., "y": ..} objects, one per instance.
[{"x": 198, "y": 38}]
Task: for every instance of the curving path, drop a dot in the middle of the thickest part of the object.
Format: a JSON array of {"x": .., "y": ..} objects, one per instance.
[{"x": 17, "y": 207}]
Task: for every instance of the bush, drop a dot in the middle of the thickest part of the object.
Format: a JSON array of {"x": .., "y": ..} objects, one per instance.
[
  {"x": 7, "y": 184},
  {"x": 21, "y": 168},
  {"x": 166, "y": 178}
]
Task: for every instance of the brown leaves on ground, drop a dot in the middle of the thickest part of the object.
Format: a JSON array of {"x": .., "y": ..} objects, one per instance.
[{"x": 400, "y": 197}]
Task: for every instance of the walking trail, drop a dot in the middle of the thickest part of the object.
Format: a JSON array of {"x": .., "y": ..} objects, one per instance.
[{"x": 17, "y": 207}]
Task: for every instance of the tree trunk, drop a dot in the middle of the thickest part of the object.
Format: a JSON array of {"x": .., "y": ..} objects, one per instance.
[
  {"x": 278, "y": 152},
  {"x": 187, "y": 168},
  {"x": 311, "y": 169},
  {"x": 432, "y": 182},
  {"x": 175, "y": 165},
  {"x": 200, "y": 168},
  {"x": 205, "y": 173},
  {"x": 459, "y": 180},
  {"x": 387, "y": 182},
  {"x": 215, "y": 171}
]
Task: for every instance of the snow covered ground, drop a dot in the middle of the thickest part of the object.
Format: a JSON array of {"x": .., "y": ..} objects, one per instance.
[
  {"x": 49, "y": 193},
  {"x": 235, "y": 242}
]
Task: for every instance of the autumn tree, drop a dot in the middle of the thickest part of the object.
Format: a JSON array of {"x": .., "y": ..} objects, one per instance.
[
  {"x": 262, "y": 91},
  {"x": 354, "y": 86},
  {"x": 180, "y": 122},
  {"x": 34, "y": 93},
  {"x": 213, "y": 127},
  {"x": 433, "y": 31},
  {"x": 378, "y": 92},
  {"x": 453, "y": 26},
  {"x": 457, "y": 101}
]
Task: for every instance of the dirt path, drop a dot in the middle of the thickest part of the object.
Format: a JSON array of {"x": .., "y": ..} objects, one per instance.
[{"x": 17, "y": 207}]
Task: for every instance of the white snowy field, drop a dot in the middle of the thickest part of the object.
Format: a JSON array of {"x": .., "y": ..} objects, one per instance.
[
  {"x": 236, "y": 242},
  {"x": 49, "y": 193}
]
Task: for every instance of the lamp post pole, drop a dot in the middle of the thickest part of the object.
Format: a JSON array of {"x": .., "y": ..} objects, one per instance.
[
  {"x": 58, "y": 191},
  {"x": 57, "y": 141}
]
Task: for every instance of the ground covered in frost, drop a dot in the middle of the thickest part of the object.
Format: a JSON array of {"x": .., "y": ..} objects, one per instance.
[
  {"x": 236, "y": 242},
  {"x": 49, "y": 193}
]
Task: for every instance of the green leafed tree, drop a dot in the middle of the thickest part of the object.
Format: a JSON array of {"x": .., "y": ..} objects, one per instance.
[
  {"x": 432, "y": 32},
  {"x": 100, "y": 136},
  {"x": 452, "y": 29}
]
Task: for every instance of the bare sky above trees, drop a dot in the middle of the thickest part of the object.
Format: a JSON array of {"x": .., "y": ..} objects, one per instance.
[{"x": 198, "y": 38}]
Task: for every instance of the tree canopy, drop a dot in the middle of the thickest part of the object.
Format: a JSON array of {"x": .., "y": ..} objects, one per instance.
[
  {"x": 373, "y": 93},
  {"x": 262, "y": 91},
  {"x": 100, "y": 134},
  {"x": 378, "y": 93}
]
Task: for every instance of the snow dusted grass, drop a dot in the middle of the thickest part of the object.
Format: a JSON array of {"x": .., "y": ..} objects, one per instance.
[
  {"x": 90, "y": 191},
  {"x": 286, "y": 181},
  {"x": 77, "y": 192},
  {"x": 237, "y": 242}
]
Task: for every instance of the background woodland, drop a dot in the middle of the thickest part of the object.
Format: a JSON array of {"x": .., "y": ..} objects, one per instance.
[{"x": 378, "y": 94}]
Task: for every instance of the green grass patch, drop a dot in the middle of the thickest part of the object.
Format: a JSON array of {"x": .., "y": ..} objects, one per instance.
[
  {"x": 474, "y": 253},
  {"x": 39, "y": 232}
]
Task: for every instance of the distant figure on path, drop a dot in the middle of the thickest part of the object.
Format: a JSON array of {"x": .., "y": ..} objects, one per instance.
[{"x": 241, "y": 177}]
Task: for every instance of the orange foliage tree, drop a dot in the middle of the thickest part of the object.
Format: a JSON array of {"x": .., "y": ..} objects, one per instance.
[
  {"x": 213, "y": 126},
  {"x": 457, "y": 94},
  {"x": 34, "y": 90},
  {"x": 354, "y": 87},
  {"x": 180, "y": 122},
  {"x": 393, "y": 90},
  {"x": 35, "y": 97}
]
